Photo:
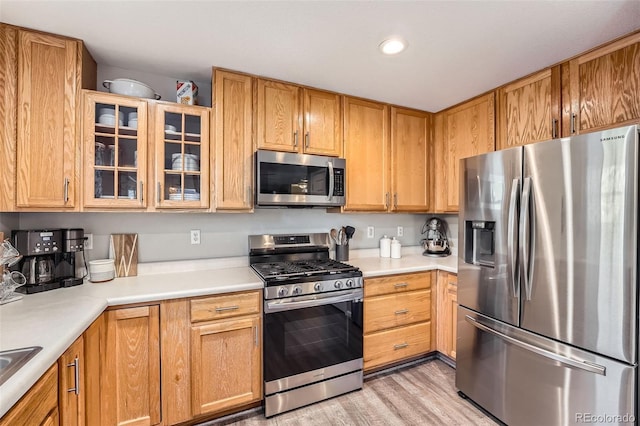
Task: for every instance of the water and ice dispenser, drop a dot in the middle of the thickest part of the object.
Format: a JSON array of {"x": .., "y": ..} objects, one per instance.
[{"x": 480, "y": 243}]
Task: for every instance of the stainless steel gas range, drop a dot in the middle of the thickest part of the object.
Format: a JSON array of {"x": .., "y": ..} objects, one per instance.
[{"x": 312, "y": 320}]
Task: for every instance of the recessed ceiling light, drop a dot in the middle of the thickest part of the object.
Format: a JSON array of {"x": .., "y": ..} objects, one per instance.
[{"x": 393, "y": 45}]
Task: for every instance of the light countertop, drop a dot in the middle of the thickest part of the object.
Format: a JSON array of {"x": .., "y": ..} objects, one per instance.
[{"x": 54, "y": 319}]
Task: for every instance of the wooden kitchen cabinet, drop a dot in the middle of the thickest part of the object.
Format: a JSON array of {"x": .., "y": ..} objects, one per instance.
[
  {"x": 467, "y": 130},
  {"x": 367, "y": 153},
  {"x": 600, "y": 88},
  {"x": 294, "y": 119},
  {"x": 39, "y": 406},
  {"x": 181, "y": 147},
  {"x": 71, "y": 385},
  {"x": 528, "y": 110},
  {"x": 115, "y": 156},
  {"x": 226, "y": 362},
  {"x": 410, "y": 139},
  {"x": 233, "y": 158},
  {"x": 398, "y": 314},
  {"x": 447, "y": 313},
  {"x": 130, "y": 377},
  {"x": 41, "y": 76}
]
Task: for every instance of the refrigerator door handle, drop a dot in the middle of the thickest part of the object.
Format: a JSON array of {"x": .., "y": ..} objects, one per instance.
[
  {"x": 582, "y": 365},
  {"x": 525, "y": 237},
  {"x": 512, "y": 238}
]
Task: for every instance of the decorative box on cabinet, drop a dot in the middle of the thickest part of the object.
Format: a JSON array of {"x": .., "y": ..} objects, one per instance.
[
  {"x": 233, "y": 177},
  {"x": 41, "y": 75},
  {"x": 295, "y": 119},
  {"x": 115, "y": 154},
  {"x": 39, "y": 406},
  {"x": 397, "y": 318},
  {"x": 601, "y": 88}
]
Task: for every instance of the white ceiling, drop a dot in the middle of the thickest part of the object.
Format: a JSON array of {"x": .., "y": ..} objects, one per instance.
[{"x": 457, "y": 49}]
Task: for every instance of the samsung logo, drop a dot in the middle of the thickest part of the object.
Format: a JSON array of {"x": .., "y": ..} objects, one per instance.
[{"x": 611, "y": 138}]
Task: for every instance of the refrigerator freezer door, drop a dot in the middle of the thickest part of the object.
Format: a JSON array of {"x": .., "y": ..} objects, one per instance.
[
  {"x": 487, "y": 257},
  {"x": 579, "y": 242},
  {"x": 524, "y": 379}
]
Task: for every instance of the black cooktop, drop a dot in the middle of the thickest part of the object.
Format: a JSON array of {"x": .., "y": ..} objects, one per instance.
[{"x": 301, "y": 268}]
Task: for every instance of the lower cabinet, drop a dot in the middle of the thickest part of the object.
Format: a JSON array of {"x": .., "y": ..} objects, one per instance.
[
  {"x": 71, "y": 387},
  {"x": 447, "y": 312},
  {"x": 39, "y": 406},
  {"x": 397, "y": 318}
]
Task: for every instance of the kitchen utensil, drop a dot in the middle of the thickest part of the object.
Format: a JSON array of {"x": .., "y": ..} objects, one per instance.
[
  {"x": 125, "y": 86},
  {"x": 349, "y": 231},
  {"x": 9, "y": 255},
  {"x": 334, "y": 235},
  {"x": 342, "y": 239},
  {"x": 11, "y": 281},
  {"x": 170, "y": 128}
]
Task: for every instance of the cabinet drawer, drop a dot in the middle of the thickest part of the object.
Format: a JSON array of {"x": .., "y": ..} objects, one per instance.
[
  {"x": 397, "y": 283},
  {"x": 394, "y": 310},
  {"x": 231, "y": 305},
  {"x": 394, "y": 345}
]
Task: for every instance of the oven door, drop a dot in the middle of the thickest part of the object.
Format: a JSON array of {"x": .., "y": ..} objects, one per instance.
[
  {"x": 288, "y": 179},
  {"x": 311, "y": 338}
]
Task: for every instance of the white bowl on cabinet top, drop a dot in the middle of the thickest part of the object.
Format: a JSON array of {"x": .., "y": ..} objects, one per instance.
[{"x": 125, "y": 86}]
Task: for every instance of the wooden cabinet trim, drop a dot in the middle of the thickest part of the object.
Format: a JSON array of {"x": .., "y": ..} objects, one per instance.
[
  {"x": 608, "y": 48},
  {"x": 8, "y": 115}
]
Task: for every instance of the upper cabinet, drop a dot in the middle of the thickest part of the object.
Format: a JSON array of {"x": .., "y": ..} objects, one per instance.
[
  {"x": 366, "y": 150},
  {"x": 233, "y": 177},
  {"x": 601, "y": 89},
  {"x": 295, "y": 119},
  {"x": 181, "y": 144},
  {"x": 410, "y": 138},
  {"x": 529, "y": 109},
  {"x": 115, "y": 151},
  {"x": 466, "y": 130}
]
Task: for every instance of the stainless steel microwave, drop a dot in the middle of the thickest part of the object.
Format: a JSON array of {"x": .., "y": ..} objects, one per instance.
[{"x": 285, "y": 179}]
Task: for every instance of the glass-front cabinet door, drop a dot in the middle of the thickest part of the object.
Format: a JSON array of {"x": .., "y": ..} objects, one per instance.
[
  {"x": 115, "y": 151},
  {"x": 181, "y": 133}
]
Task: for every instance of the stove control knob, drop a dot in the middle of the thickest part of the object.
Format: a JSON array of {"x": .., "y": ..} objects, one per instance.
[
  {"x": 338, "y": 284},
  {"x": 296, "y": 290},
  {"x": 317, "y": 287},
  {"x": 349, "y": 283},
  {"x": 283, "y": 291}
]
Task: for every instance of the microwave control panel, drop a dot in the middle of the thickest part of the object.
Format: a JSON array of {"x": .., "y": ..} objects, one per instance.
[{"x": 338, "y": 183}]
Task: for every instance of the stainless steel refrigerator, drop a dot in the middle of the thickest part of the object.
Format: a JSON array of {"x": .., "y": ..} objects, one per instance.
[{"x": 548, "y": 281}]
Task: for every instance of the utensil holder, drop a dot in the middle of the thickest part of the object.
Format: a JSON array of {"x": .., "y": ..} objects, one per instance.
[{"x": 342, "y": 252}]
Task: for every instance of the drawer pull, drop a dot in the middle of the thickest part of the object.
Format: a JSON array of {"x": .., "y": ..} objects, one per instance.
[
  {"x": 227, "y": 308},
  {"x": 401, "y": 285},
  {"x": 400, "y": 346},
  {"x": 402, "y": 311}
]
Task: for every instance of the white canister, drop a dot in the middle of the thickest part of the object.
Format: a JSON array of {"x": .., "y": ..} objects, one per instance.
[
  {"x": 385, "y": 246},
  {"x": 395, "y": 248}
]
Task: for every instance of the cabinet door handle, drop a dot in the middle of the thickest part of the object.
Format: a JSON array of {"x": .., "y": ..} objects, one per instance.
[
  {"x": 400, "y": 346},
  {"x": 554, "y": 128},
  {"x": 306, "y": 140},
  {"x": 402, "y": 311},
  {"x": 400, "y": 285},
  {"x": 141, "y": 192},
  {"x": 257, "y": 341},
  {"x": 386, "y": 200},
  {"x": 573, "y": 123},
  {"x": 395, "y": 201},
  {"x": 66, "y": 190},
  {"x": 76, "y": 371},
  {"x": 295, "y": 139},
  {"x": 227, "y": 308},
  {"x": 159, "y": 193}
]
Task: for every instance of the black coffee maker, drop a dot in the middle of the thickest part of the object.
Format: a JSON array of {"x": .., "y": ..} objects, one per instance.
[{"x": 49, "y": 258}]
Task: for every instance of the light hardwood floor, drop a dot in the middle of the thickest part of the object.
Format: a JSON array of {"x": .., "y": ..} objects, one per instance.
[{"x": 420, "y": 394}]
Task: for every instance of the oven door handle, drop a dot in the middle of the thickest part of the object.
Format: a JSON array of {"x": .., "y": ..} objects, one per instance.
[{"x": 280, "y": 305}]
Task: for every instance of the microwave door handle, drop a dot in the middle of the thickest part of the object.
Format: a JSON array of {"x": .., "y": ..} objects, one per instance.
[{"x": 331, "y": 180}]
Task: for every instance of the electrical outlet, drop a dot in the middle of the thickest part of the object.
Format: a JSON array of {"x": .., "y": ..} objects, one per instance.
[
  {"x": 195, "y": 236},
  {"x": 370, "y": 231},
  {"x": 88, "y": 243},
  {"x": 400, "y": 231}
]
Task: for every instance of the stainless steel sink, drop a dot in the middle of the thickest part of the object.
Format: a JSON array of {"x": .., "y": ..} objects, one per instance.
[{"x": 14, "y": 359}]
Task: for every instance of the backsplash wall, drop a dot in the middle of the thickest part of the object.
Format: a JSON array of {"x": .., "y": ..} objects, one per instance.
[{"x": 166, "y": 236}]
